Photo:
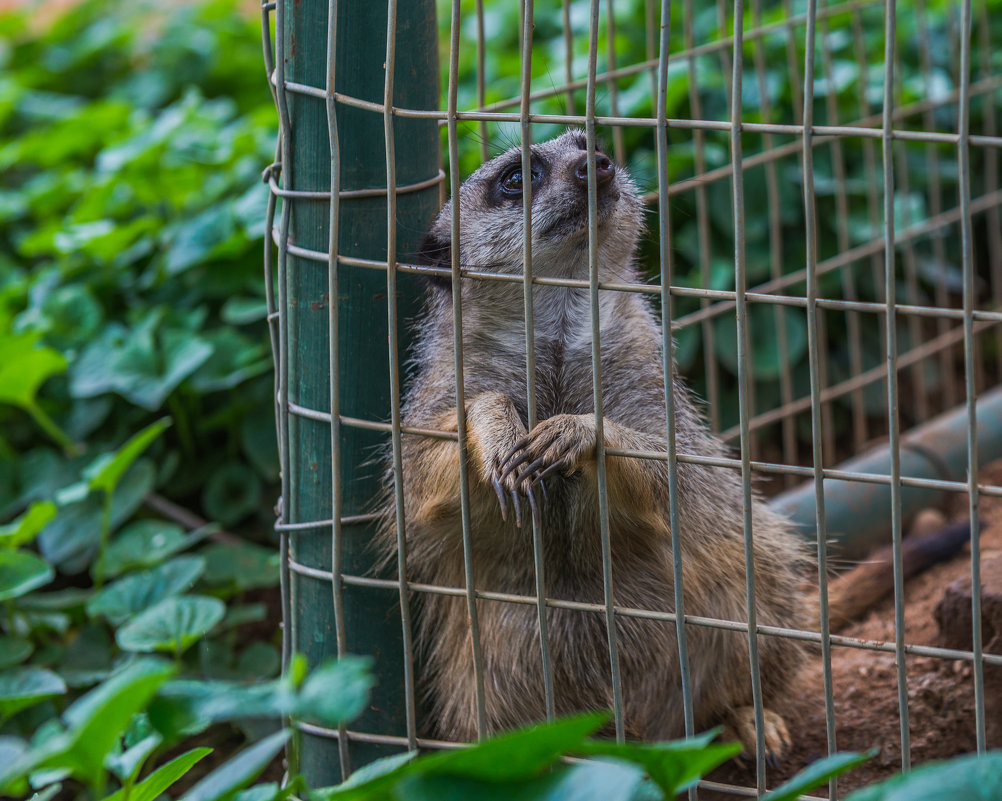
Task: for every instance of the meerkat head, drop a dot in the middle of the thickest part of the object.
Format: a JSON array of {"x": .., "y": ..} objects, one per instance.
[{"x": 491, "y": 213}]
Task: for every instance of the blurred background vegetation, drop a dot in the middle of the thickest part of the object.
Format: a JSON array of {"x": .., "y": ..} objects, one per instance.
[{"x": 136, "y": 409}]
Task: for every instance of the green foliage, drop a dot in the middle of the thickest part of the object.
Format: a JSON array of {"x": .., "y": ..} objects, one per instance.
[
  {"x": 114, "y": 729},
  {"x": 132, "y": 137},
  {"x": 529, "y": 765},
  {"x": 135, "y": 360},
  {"x": 967, "y": 778}
]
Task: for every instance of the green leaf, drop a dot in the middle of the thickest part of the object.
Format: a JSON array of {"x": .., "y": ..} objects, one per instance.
[
  {"x": 187, "y": 707},
  {"x": 139, "y": 591},
  {"x": 673, "y": 765},
  {"x": 48, "y": 793},
  {"x": 174, "y": 624},
  {"x": 198, "y": 238},
  {"x": 258, "y": 660},
  {"x": 336, "y": 692},
  {"x": 13, "y": 651},
  {"x": 22, "y": 687},
  {"x": 967, "y": 778},
  {"x": 243, "y": 310},
  {"x": 262, "y": 792},
  {"x": 818, "y": 773},
  {"x": 242, "y": 565},
  {"x": 368, "y": 773},
  {"x": 143, "y": 365},
  {"x": 146, "y": 543},
  {"x": 226, "y": 780},
  {"x": 88, "y": 658},
  {"x": 602, "y": 781},
  {"x": 127, "y": 764},
  {"x": 70, "y": 541},
  {"x": 232, "y": 493},
  {"x": 97, "y": 720},
  {"x": 26, "y": 527},
  {"x": 235, "y": 359},
  {"x": 519, "y": 756},
  {"x": 107, "y": 475},
  {"x": 21, "y": 572},
  {"x": 11, "y": 749},
  {"x": 25, "y": 367},
  {"x": 163, "y": 777}
]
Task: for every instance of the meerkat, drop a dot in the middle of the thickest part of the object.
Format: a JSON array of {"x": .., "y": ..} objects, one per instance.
[{"x": 510, "y": 466}]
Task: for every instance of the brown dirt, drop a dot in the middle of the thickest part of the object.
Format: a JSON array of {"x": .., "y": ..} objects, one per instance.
[{"x": 940, "y": 692}]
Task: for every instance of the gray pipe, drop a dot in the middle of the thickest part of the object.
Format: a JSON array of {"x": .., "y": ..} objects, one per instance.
[{"x": 858, "y": 514}]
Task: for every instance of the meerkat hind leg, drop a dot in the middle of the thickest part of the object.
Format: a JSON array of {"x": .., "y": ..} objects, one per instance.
[{"x": 741, "y": 727}]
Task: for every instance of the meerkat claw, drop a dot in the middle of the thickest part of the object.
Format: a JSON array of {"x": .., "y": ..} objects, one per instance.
[
  {"x": 517, "y": 451},
  {"x": 527, "y": 473},
  {"x": 502, "y": 500},
  {"x": 511, "y": 464},
  {"x": 518, "y": 508}
]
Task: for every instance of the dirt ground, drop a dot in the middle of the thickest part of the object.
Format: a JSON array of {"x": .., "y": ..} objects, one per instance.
[{"x": 940, "y": 692}]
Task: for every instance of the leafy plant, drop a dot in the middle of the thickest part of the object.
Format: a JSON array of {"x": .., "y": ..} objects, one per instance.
[{"x": 135, "y": 365}]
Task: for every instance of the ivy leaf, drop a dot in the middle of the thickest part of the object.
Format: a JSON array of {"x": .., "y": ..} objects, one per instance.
[
  {"x": 173, "y": 625},
  {"x": 232, "y": 493},
  {"x": 14, "y": 650},
  {"x": 154, "y": 785},
  {"x": 25, "y": 367},
  {"x": 106, "y": 474},
  {"x": 25, "y": 686},
  {"x": 70, "y": 541},
  {"x": 97, "y": 719},
  {"x": 143, "y": 365},
  {"x": 146, "y": 543},
  {"x": 139, "y": 591},
  {"x": 969, "y": 778},
  {"x": 127, "y": 764},
  {"x": 26, "y": 527},
  {"x": 336, "y": 692},
  {"x": 21, "y": 572},
  {"x": 225, "y": 781},
  {"x": 817, "y": 773},
  {"x": 198, "y": 238},
  {"x": 243, "y": 566}
]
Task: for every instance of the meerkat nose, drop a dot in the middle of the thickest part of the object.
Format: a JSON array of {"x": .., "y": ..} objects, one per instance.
[{"x": 605, "y": 169}]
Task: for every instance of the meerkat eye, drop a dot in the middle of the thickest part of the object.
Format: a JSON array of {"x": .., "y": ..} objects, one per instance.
[{"x": 511, "y": 182}]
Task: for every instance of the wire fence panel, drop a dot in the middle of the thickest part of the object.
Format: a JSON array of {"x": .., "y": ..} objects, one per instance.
[{"x": 824, "y": 249}]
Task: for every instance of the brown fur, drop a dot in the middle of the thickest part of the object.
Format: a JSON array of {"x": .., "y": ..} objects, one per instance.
[{"x": 710, "y": 499}]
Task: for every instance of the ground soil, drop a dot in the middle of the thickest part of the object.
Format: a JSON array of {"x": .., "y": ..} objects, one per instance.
[{"x": 940, "y": 692}]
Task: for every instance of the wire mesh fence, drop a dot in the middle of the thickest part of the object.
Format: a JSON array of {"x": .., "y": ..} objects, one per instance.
[{"x": 781, "y": 146}]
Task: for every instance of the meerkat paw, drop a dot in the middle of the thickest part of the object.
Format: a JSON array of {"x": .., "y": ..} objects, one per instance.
[
  {"x": 557, "y": 444},
  {"x": 776, "y": 737}
]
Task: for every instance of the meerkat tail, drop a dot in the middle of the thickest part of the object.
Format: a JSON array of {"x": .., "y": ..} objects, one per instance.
[{"x": 852, "y": 593}]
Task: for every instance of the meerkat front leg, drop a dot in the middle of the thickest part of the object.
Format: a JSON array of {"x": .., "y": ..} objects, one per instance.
[{"x": 493, "y": 430}]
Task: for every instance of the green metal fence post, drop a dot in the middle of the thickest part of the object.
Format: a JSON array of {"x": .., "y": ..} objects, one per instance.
[{"x": 370, "y": 622}]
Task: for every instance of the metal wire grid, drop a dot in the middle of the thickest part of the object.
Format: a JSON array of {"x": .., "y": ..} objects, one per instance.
[{"x": 777, "y": 291}]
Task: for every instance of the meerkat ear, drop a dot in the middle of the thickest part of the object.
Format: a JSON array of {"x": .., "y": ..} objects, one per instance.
[{"x": 436, "y": 251}]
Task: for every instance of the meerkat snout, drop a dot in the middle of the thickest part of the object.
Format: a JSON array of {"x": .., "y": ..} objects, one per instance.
[{"x": 605, "y": 170}]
